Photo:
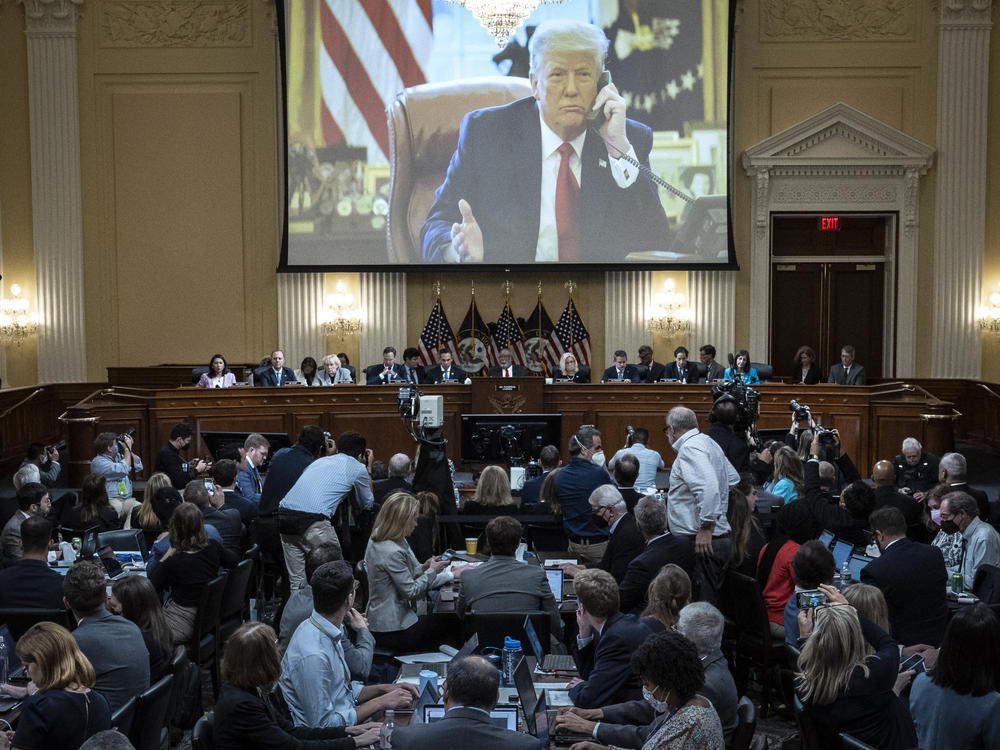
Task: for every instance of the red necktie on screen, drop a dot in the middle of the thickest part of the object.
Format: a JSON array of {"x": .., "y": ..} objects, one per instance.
[{"x": 567, "y": 191}]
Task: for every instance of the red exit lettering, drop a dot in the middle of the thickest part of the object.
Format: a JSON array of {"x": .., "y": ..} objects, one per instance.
[{"x": 829, "y": 223}]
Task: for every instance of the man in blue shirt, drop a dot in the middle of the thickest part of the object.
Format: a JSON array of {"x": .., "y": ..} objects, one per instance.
[
  {"x": 649, "y": 460},
  {"x": 315, "y": 678},
  {"x": 305, "y": 513},
  {"x": 116, "y": 462},
  {"x": 573, "y": 486}
]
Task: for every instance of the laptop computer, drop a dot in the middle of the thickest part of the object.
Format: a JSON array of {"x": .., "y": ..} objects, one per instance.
[
  {"x": 504, "y": 717},
  {"x": 555, "y": 578},
  {"x": 14, "y": 667},
  {"x": 547, "y": 662},
  {"x": 429, "y": 696},
  {"x": 826, "y": 538},
  {"x": 841, "y": 553},
  {"x": 540, "y": 721},
  {"x": 857, "y": 564},
  {"x": 412, "y": 671}
]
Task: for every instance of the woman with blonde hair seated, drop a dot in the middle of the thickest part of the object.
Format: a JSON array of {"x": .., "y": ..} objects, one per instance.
[
  {"x": 844, "y": 687},
  {"x": 144, "y": 517},
  {"x": 569, "y": 370},
  {"x": 493, "y": 496},
  {"x": 332, "y": 372},
  {"x": 64, "y": 711},
  {"x": 398, "y": 583}
]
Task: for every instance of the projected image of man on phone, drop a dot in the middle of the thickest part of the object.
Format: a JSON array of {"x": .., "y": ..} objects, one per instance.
[{"x": 549, "y": 178}]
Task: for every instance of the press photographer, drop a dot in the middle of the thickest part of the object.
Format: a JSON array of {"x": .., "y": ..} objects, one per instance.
[{"x": 117, "y": 464}]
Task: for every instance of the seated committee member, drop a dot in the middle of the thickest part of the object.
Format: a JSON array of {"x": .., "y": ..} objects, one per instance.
[
  {"x": 412, "y": 371},
  {"x": 445, "y": 371},
  {"x": 470, "y": 692},
  {"x": 713, "y": 370},
  {"x": 218, "y": 375},
  {"x": 315, "y": 679},
  {"x": 847, "y": 372},
  {"x": 277, "y": 373},
  {"x": 503, "y": 584},
  {"x": 333, "y": 372},
  {"x": 680, "y": 369},
  {"x": 742, "y": 372},
  {"x": 621, "y": 371},
  {"x": 387, "y": 372},
  {"x": 244, "y": 717},
  {"x": 307, "y": 373},
  {"x": 531, "y": 182},
  {"x": 569, "y": 369},
  {"x": 507, "y": 368},
  {"x": 654, "y": 369},
  {"x": 805, "y": 371},
  {"x": 604, "y": 644}
]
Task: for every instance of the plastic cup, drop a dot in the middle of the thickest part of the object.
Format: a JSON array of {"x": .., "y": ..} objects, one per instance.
[
  {"x": 427, "y": 675},
  {"x": 471, "y": 545}
]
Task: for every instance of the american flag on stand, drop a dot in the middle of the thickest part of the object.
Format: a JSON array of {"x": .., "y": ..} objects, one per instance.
[
  {"x": 569, "y": 335},
  {"x": 370, "y": 51},
  {"x": 507, "y": 334},
  {"x": 437, "y": 334}
]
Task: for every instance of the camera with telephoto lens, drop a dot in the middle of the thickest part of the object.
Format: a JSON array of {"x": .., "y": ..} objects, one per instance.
[
  {"x": 825, "y": 435},
  {"x": 801, "y": 412},
  {"x": 127, "y": 433},
  {"x": 747, "y": 403}
]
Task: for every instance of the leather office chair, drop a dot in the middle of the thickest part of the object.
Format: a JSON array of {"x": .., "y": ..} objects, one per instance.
[{"x": 423, "y": 134}]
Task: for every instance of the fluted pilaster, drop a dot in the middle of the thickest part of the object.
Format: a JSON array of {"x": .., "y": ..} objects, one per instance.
[
  {"x": 54, "y": 113},
  {"x": 960, "y": 205},
  {"x": 627, "y": 298},
  {"x": 383, "y": 299},
  {"x": 300, "y": 300},
  {"x": 712, "y": 297}
]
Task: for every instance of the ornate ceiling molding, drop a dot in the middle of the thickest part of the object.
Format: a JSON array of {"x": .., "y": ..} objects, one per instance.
[
  {"x": 175, "y": 23},
  {"x": 837, "y": 20}
]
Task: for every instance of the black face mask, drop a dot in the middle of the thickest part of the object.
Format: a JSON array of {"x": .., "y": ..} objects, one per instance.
[{"x": 949, "y": 526}]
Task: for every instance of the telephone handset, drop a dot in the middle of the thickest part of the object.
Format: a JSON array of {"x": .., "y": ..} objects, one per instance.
[{"x": 596, "y": 116}]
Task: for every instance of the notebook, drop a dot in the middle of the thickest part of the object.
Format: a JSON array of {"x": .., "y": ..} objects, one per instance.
[{"x": 547, "y": 662}]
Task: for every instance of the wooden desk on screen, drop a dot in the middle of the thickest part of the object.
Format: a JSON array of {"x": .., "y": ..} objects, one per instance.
[{"x": 872, "y": 420}]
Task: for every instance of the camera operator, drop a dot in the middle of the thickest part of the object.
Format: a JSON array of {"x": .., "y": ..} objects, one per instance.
[
  {"x": 847, "y": 517},
  {"x": 46, "y": 458},
  {"x": 116, "y": 462},
  {"x": 723, "y": 418}
]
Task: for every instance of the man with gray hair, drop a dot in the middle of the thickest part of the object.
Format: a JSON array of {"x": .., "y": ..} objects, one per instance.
[
  {"x": 537, "y": 180},
  {"x": 626, "y": 542},
  {"x": 27, "y": 473},
  {"x": 399, "y": 468},
  {"x": 702, "y": 624},
  {"x": 661, "y": 548},
  {"x": 700, "y": 479},
  {"x": 959, "y": 512},
  {"x": 952, "y": 470},
  {"x": 916, "y": 469}
]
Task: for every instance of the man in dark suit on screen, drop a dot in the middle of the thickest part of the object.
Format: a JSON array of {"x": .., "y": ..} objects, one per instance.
[
  {"x": 471, "y": 691},
  {"x": 537, "y": 180}
]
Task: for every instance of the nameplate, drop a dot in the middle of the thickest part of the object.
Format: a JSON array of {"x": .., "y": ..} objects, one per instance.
[{"x": 508, "y": 387}]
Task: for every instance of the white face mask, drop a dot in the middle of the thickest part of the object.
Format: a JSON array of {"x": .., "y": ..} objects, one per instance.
[
  {"x": 659, "y": 706},
  {"x": 598, "y": 458}
]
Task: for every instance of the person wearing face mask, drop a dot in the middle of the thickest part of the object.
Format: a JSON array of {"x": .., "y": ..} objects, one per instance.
[
  {"x": 700, "y": 479},
  {"x": 960, "y": 513},
  {"x": 918, "y": 611},
  {"x": 573, "y": 486},
  {"x": 951, "y": 545},
  {"x": 169, "y": 459}
]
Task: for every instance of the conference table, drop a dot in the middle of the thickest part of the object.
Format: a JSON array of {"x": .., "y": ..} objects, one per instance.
[{"x": 872, "y": 420}]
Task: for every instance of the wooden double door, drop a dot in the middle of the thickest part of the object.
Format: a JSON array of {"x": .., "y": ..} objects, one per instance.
[{"x": 827, "y": 290}]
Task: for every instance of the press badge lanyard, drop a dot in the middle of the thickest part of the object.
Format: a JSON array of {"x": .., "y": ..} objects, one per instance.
[{"x": 343, "y": 661}]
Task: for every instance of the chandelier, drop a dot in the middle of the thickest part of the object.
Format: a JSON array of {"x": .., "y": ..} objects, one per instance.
[
  {"x": 502, "y": 17},
  {"x": 16, "y": 323},
  {"x": 988, "y": 318},
  {"x": 341, "y": 317},
  {"x": 669, "y": 314}
]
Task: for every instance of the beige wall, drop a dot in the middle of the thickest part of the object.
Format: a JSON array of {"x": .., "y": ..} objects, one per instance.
[{"x": 179, "y": 187}]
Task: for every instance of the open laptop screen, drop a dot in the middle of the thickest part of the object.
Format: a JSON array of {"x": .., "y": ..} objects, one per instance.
[
  {"x": 533, "y": 642},
  {"x": 504, "y": 717},
  {"x": 841, "y": 552},
  {"x": 555, "y": 577}
]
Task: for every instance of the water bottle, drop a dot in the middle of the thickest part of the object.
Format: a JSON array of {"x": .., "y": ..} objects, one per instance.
[
  {"x": 511, "y": 657},
  {"x": 3, "y": 661},
  {"x": 385, "y": 734},
  {"x": 845, "y": 573}
]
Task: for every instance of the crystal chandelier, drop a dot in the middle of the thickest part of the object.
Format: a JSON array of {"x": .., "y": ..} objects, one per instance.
[
  {"x": 988, "y": 318},
  {"x": 502, "y": 17},
  {"x": 669, "y": 314},
  {"x": 341, "y": 317},
  {"x": 16, "y": 323}
]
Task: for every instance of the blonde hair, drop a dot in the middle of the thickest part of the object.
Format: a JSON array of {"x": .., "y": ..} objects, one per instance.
[
  {"x": 59, "y": 659},
  {"x": 668, "y": 593},
  {"x": 788, "y": 465},
  {"x": 147, "y": 516},
  {"x": 493, "y": 487},
  {"x": 562, "y": 361},
  {"x": 331, "y": 359},
  {"x": 869, "y": 601},
  {"x": 831, "y": 653},
  {"x": 393, "y": 517}
]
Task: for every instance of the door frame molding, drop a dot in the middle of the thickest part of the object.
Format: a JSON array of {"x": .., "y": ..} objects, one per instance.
[{"x": 841, "y": 160}]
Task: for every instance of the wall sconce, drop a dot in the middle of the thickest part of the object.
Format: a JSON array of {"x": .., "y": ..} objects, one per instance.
[
  {"x": 669, "y": 314},
  {"x": 16, "y": 323},
  {"x": 988, "y": 318},
  {"x": 341, "y": 317}
]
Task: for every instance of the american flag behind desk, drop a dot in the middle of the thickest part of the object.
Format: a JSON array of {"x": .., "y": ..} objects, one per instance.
[
  {"x": 370, "y": 50},
  {"x": 569, "y": 335},
  {"x": 507, "y": 334},
  {"x": 437, "y": 334}
]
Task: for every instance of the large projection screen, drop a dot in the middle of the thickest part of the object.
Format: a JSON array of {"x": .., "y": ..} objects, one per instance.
[{"x": 345, "y": 61}]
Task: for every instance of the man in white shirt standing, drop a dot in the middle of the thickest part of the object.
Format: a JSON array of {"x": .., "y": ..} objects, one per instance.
[
  {"x": 650, "y": 461},
  {"x": 700, "y": 479}
]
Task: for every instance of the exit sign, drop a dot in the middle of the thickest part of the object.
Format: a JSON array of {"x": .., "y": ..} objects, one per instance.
[{"x": 829, "y": 223}]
